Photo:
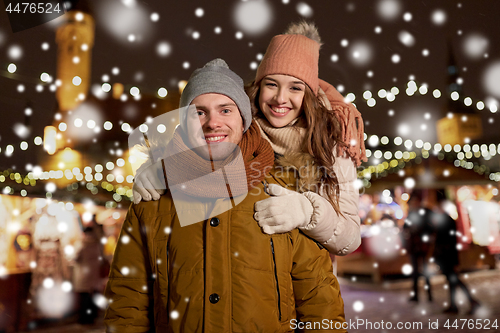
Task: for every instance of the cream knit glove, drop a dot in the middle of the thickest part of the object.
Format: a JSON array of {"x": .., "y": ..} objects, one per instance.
[
  {"x": 285, "y": 210},
  {"x": 149, "y": 183}
]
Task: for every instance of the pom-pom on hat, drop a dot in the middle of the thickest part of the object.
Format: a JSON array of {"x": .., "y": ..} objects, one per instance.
[
  {"x": 216, "y": 77},
  {"x": 295, "y": 53}
]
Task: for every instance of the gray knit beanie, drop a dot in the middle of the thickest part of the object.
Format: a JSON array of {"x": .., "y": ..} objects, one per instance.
[{"x": 216, "y": 77}]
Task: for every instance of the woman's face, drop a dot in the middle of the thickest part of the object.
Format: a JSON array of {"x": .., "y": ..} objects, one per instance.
[{"x": 280, "y": 98}]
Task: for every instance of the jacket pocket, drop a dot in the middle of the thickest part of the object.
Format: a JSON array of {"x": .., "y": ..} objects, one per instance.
[{"x": 276, "y": 279}]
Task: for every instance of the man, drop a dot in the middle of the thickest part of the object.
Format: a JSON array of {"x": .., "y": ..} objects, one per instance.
[
  {"x": 418, "y": 233},
  {"x": 87, "y": 276},
  {"x": 446, "y": 254},
  {"x": 222, "y": 274}
]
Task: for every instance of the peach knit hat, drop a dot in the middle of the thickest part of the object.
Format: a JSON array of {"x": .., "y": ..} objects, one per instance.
[{"x": 295, "y": 53}]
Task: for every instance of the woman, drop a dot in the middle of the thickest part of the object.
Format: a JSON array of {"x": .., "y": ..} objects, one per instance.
[{"x": 311, "y": 130}]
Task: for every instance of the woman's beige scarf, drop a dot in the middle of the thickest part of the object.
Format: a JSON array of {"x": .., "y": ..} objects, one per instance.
[
  {"x": 285, "y": 140},
  {"x": 288, "y": 142}
]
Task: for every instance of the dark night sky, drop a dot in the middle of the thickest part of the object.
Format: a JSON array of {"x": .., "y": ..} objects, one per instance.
[{"x": 352, "y": 20}]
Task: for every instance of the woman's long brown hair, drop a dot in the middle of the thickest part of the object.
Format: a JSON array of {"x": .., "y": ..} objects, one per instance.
[{"x": 323, "y": 134}]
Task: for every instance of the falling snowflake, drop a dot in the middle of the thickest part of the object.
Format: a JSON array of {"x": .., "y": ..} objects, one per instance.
[
  {"x": 253, "y": 17},
  {"x": 404, "y": 129},
  {"x": 409, "y": 183},
  {"x": 438, "y": 17},
  {"x": 360, "y": 52},
  {"x": 199, "y": 12},
  {"x": 406, "y": 38},
  {"x": 155, "y": 17},
  {"x": 125, "y": 239},
  {"x": 125, "y": 270},
  {"x": 122, "y": 19},
  {"x": 475, "y": 45},
  {"x": 407, "y": 17},
  {"x": 21, "y": 130},
  {"x": 50, "y": 187},
  {"x": 48, "y": 283},
  {"x": 66, "y": 286},
  {"x": 174, "y": 314},
  {"x": 304, "y": 9},
  {"x": 358, "y": 306},
  {"x": 100, "y": 301},
  {"x": 69, "y": 250},
  {"x": 389, "y": 9},
  {"x": 491, "y": 79},
  {"x": 407, "y": 269},
  {"x": 15, "y": 52}
]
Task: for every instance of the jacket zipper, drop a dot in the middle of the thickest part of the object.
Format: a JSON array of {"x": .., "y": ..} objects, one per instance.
[
  {"x": 167, "y": 264},
  {"x": 276, "y": 278}
]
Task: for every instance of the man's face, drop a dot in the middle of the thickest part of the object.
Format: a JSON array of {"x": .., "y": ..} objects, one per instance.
[{"x": 216, "y": 128}]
